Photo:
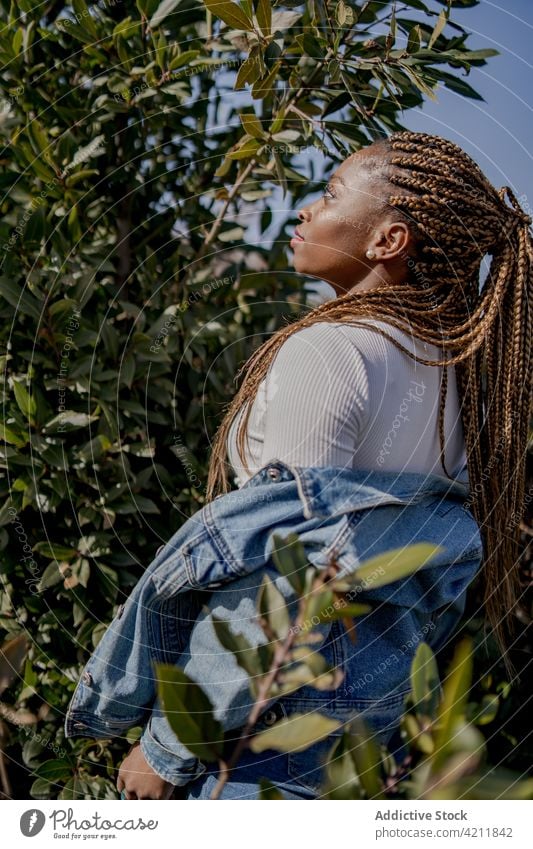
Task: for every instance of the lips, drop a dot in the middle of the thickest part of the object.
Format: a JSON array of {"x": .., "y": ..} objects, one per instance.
[{"x": 297, "y": 236}]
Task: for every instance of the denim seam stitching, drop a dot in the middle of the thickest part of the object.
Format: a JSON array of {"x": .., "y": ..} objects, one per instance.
[
  {"x": 340, "y": 537},
  {"x": 305, "y": 495}
]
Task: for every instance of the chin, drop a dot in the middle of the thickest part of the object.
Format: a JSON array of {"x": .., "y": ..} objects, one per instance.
[{"x": 300, "y": 267}]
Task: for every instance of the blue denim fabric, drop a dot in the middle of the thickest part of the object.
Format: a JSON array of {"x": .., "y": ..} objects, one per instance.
[{"x": 218, "y": 557}]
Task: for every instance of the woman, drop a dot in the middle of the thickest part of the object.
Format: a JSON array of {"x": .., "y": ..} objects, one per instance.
[{"x": 400, "y": 235}]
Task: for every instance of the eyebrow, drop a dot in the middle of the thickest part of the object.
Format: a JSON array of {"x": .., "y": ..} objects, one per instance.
[{"x": 339, "y": 179}]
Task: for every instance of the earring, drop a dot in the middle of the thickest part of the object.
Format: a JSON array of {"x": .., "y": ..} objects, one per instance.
[{"x": 370, "y": 253}]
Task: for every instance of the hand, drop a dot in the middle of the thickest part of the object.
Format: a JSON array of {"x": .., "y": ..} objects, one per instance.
[{"x": 138, "y": 780}]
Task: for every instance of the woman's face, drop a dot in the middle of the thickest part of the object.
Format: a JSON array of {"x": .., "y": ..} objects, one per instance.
[{"x": 339, "y": 228}]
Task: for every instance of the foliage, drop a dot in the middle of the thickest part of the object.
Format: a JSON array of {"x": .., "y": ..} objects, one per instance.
[
  {"x": 446, "y": 752},
  {"x": 136, "y": 138}
]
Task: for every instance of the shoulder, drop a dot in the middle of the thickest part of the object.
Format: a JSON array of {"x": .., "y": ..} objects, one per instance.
[
  {"x": 322, "y": 339},
  {"x": 327, "y": 340},
  {"x": 320, "y": 356}
]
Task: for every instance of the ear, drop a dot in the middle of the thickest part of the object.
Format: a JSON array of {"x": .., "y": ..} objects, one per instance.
[{"x": 394, "y": 239}]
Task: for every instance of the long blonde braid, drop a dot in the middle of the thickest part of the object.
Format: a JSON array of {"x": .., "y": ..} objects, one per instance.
[{"x": 456, "y": 217}]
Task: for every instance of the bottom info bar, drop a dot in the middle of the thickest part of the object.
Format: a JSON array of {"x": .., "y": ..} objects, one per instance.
[{"x": 491, "y": 823}]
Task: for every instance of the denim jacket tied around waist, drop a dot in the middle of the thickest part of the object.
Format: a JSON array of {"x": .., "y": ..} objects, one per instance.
[{"x": 218, "y": 557}]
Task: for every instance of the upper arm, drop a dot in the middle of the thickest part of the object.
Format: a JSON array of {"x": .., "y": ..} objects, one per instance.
[{"x": 316, "y": 398}]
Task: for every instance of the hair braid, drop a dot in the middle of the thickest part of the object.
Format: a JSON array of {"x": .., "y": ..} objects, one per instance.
[{"x": 456, "y": 217}]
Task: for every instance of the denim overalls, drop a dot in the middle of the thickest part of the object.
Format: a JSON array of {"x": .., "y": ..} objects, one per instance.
[{"x": 218, "y": 557}]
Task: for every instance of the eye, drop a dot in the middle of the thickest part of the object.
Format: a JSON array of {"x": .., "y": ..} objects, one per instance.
[{"x": 329, "y": 190}]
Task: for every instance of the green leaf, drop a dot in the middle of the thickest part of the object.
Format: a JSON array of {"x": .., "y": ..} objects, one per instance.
[
  {"x": 51, "y": 576},
  {"x": 269, "y": 791},
  {"x": 417, "y": 738},
  {"x": 264, "y": 16},
  {"x": 439, "y": 26},
  {"x": 95, "y": 448},
  {"x": 54, "y": 551},
  {"x": 189, "y": 712},
  {"x": 163, "y": 11},
  {"x": 182, "y": 59},
  {"x": 491, "y": 784},
  {"x": 76, "y": 178},
  {"x": 348, "y": 611},
  {"x": 458, "y": 85},
  {"x": 313, "y": 670},
  {"x": 475, "y": 55},
  {"x": 54, "y": 770},
  {"x": 280, "y": 171},
  {"x": 84, "y": 17},
  {"x": 26, "y": 402},
  {"x": 252, "y": 125},
  {"x": 310, "y": 45},
  {"x": 9, "y": 435},
  {"x": 69, "y": 420},
  {"x": 390, "y": 566},
  {"x": 20, "y": 298},
  {"x": 294, "y": 734},
  {"x": 425, "y": 682},
  {"x": 147, "y": 7},
  {"x": 342, "y": 781},
  {"x": 485, "y": 712},
  {"x": 145, "y": 505},
  {"x": 245, "y": 654},
  {"x": 245, "y": 151},
  {"x": 391, "y": 37},
  {"x": 346, "y": 130},
  {"x": 345, "y": 15},
  {"x": 289, "y": 558},
  {"x": 418, "y": 81},
  {"x": 38, "y": 136},
  {"x": 453, "y": 705},
  {"x": 36, "y": 226},
  {"x": 414, "y": 40},
  {"x": 88, "y": 151},
  {"x": 12, "y": 654},
  {"x": 317, "y": 604},
  {"x": 17, "y": 41},
  {"x": 41, "y": 789},
  {"x": 230, "y": 13},
  {"x": 266, "y": 85},
  {"x": 366, "y": 758},
  {"x": 273, "y": 608},
  {"x": 249, "y": 72}
]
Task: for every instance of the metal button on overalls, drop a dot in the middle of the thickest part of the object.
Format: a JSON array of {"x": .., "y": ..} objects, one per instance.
[
  {"x": 270, "y": 717},
  {"x": 87, "y": 678},
  {"x": 274, "y": 473}
]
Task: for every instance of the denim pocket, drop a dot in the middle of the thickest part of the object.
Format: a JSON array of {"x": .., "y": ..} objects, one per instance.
[
  {"x": 170, "y": 623},
  {"x": 381, "y": 718},
  {"x": 307, "y": 768}
]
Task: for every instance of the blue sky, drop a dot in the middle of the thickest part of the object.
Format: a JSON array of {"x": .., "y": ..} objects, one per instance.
[{"x": 497, "y": 133}]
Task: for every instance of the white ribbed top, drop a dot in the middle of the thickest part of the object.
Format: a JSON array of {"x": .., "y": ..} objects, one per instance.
[{"x": 340, "y": 395}]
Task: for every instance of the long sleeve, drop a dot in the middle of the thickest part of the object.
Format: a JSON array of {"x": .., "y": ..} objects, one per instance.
[
  {"x": 164, "y": 752},
  {"x": 317, "y": 398}
]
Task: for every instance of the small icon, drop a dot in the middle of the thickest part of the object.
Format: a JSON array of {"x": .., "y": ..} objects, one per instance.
[{"x": 32, "y": 822}]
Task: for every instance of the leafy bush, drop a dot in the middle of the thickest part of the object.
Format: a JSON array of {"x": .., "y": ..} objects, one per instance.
[
  {"x": 132, "y": 135},
  {"x": 446, "y": 752}
]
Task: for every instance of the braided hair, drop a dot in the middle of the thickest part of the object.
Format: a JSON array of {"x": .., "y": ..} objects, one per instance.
[{"x": 455, "y": 217}]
